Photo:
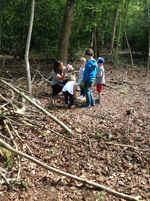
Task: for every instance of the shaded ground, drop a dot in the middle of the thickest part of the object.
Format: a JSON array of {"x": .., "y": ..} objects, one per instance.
[{"x": 115, "y": 143}]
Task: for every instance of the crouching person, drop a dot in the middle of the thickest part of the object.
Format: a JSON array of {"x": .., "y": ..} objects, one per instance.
[{"x": 69, "y": 90}]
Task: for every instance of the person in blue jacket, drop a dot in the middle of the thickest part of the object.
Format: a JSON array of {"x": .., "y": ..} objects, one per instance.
[{"x": 88, "y": 77}]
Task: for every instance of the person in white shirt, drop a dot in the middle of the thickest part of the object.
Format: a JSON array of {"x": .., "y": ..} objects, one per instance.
[
  {"x": 82, "y": 62},
  {"x": 69, "y": 90}
]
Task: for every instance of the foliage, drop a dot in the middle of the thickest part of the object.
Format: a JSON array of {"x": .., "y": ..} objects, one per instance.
[{"x": 87, "y": 16}]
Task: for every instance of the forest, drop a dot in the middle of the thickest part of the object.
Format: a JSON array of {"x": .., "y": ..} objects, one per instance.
[{"x": 49, "y": 152}]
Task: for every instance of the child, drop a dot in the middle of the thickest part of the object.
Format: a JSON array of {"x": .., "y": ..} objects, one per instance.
[
  {"x": 82, "y": 62},
  {"x": 100, "y": 79},
  {"x": 88, "y": 77},
  {"x": 69, "y": 90}
]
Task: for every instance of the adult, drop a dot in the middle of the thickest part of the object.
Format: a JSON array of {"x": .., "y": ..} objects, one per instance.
[{"x": 58, "y": 76}]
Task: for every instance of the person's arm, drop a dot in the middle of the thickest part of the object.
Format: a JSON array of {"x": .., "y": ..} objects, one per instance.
[
  {"x": 100, "y": 73},
  {"x": 62, "y": 77},
  {"x": 86, "y": 72}
]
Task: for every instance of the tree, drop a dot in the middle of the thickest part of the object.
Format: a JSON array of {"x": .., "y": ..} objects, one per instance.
[
  {"x": 62, "y": 52},
  {"x": 113, "y": 29},
  {"x": 28, "y": 47}
]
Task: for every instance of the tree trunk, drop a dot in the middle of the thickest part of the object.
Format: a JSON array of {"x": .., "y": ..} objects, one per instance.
[
  {"x": 62, "y": 51},
  {"x": 1, "y": 30},
  {"x": 103, "y": 33},
  {"x": 147, "y": 67},
  {"x": 28, "y": 47},
  {"x": 129, "y": 49},
  {"x": 95, "y": 41},
  {"x": 113, "y": 30}
]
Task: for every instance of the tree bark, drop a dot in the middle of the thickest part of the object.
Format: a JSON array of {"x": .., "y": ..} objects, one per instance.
[
  {"x": 28, "y": 47},
  {"x": 129, "y": 49},
  {"x": 1, "y": 30},
  {"x": 79, "y": 179},
  {"x": 113, "y": 30},
  {"x": 103, "y": 33},
  {"x": 147, "y": 67},
  {"x": 62, "y": 51}
]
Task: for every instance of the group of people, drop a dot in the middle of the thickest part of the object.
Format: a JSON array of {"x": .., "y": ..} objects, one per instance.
[{"x": 90, "y": 70}]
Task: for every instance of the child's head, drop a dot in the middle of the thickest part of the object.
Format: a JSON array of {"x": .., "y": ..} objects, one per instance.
[
  {"x": 89, "y": 52},
  {"x": 82, "y": 62},
  {"x": 72, "y": 78},
  {"x": 100, "y": 61}
]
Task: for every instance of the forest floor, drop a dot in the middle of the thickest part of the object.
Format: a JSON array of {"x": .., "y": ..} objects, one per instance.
[{"x": 110, "y": 143}]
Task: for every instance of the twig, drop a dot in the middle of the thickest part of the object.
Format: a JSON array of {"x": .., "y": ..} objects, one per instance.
[
  {"x": 11, "y": 136},
  {"x": 7, "y": 181},
  {"x": 19, "y": 137},
  {"x": 45, "y": 127},
  {"x": 121, "y": 145}
]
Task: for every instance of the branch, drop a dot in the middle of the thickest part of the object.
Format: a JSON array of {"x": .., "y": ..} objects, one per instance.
[
  {"x": 38, "y": 106},
  {"x": 124, "y": 196}
]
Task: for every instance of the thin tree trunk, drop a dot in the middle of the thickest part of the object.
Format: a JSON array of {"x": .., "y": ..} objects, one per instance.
[
  {"x": 129, "y": 49},
  {"x": 103, "y": 34},
  {"x": 147, "y": 67},
  {"x": 113, "y": 30},
  {"x": 28, "y": 47},
  {"x": 62, "y": 52},
  {"x": 79, "y": 179},
  {"x": 95, "y": 41},
  {"x": 1, "y": 30}
]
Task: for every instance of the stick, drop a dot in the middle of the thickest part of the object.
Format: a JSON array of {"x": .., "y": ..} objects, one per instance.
[
  {"x": 38, "y": 106},
  {"x": 124, "y": 196}
]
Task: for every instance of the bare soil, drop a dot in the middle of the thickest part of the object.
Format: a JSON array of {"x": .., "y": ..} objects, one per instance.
[{"x": 114, "y": 147}]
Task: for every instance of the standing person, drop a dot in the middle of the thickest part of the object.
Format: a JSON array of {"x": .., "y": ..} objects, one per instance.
[
  {"x": 82, "y": 62},
  {"x": 89, "y": 76},
  {"x": 69, "y": 90},
  {"x": 100, "y": 79},
  {"x": 58, "y": 76}
]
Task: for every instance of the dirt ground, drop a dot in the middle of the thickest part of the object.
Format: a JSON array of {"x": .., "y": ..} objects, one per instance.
[{"x": 110, "y": 143}]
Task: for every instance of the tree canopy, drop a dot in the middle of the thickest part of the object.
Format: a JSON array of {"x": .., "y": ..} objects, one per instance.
[{"x": 88, "y": 16}]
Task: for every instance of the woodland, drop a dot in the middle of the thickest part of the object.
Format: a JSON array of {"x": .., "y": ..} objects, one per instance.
[{"x": 52, "y": 153}]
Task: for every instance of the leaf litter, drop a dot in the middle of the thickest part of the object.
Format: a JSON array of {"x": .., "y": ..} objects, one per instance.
[{"x": 112, "y": 145}]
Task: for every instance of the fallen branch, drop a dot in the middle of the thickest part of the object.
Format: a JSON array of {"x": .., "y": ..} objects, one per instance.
[
  {"x": 121, "y": 195},
  {"x": 120, "y": 145},
  {"x": 38, "y": 106},
  {"x": 8, "y": 179}
]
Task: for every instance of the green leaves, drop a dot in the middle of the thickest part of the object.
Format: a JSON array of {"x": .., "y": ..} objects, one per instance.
[
  {"x": 123, "y": 91},
  {"x": 100, "y": 194}
]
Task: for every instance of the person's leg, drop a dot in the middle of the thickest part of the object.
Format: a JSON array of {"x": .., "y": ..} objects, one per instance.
[
  {"x": 57, "y": 88},
  {"x": 92, "y": 99},
  {"x": 64, "y": 81},
  {"x": 99, "y": 90},
  {"x": 88, "y": 93},
  {"x": 66, "y": 97},
  {"x": 71, "y": 99},
  {"x": 83, "y": 91}
]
